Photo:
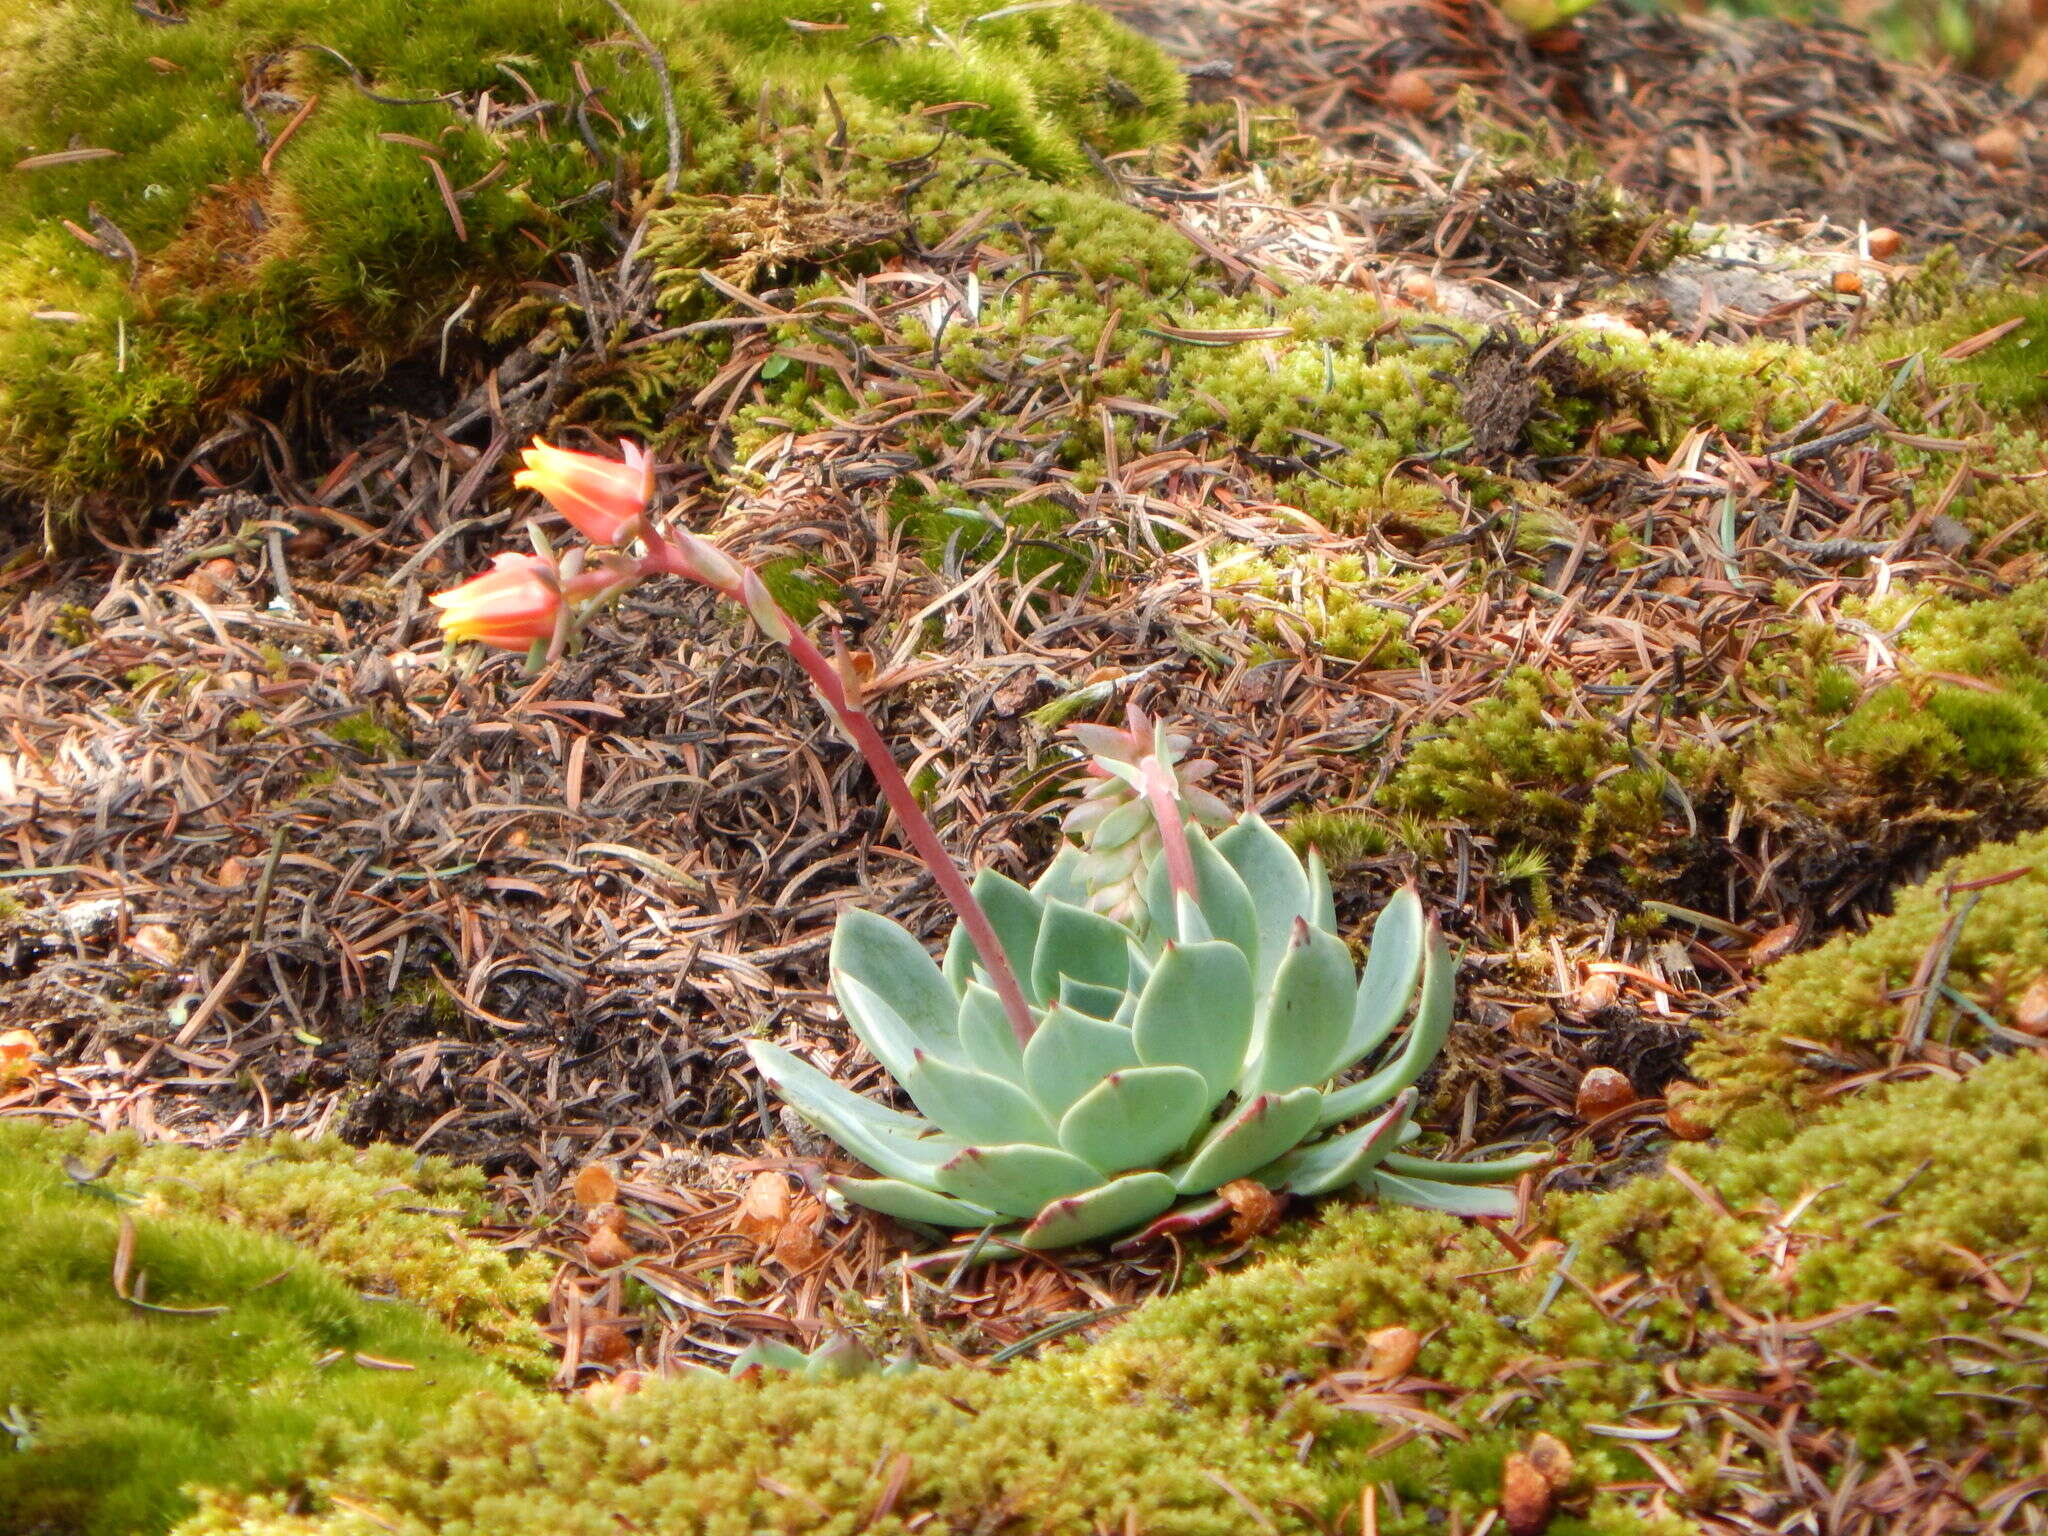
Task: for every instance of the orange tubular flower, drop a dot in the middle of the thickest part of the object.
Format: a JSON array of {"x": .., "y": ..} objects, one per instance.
[
  {"x": 513, "y": 604},
  {"x": 599, "y": 496}
]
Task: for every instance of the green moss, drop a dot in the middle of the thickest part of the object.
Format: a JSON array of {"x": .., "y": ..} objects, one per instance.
[
  {"x": 1348, "y": 606},
  {"x": 1835, "y": 1009},
  {"x": 1510, "y": 767},
  {"x": 112, "y": 1410},
  {"x": 369, "y": 735},
  {"x": 1212, "y": 1395},
  {"x": 1963, "y": 730},
  {"x": 337, "y": 254},
  {"x": 389, "y": 1223}
]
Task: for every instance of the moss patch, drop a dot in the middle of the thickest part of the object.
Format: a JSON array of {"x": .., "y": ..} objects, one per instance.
[
  {"x": 1849, "y": 1005},
  {"x": 1602, "y": 1322},
  {"x": 111, "y": 1410},
  {"x": 227, "y": 260},
  {"x": 387, "y": 1222}
]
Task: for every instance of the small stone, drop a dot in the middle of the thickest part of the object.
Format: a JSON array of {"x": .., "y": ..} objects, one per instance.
[
  {"x": 606, "y": 1344},
  {"x": 1411, "y": 91},
  {"x": 1998, "y": 146},
  {"x": 595, "y": 1185},
  {"x": 1681, "y": 1112},
  {"x": 1883, "y": 243},
  {"x": 2030, "y": 1015},
  {"x": 1776, "y": 944},
  {"x": 1553, "y": 1458},
  {"x": 1599, "y": 991},
  {"x": 157, "y": 944},
  {"x": 606, "y": 1249},
  {"x": 1602, "y": 1091},
  {"x": 1390, "y": 1352},
  {"x": 1419, "y": 289},
  {"x": 1525, "y": 1496}
]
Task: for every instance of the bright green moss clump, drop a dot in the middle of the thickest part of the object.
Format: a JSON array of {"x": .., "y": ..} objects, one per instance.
[
  {"x": 1962, "y": 731},
  {"x": 335, "y": 252},
  {"x": 389, "y": 1223},
  {"x": 109, "y": 1410},
  {"x": 1832, "y": 1010},
  {"x": 1515, "y": 766},
  {"x": 1229, "y": 1381}
]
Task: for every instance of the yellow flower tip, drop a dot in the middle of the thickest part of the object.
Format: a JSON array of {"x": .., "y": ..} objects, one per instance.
[
  {"x": 600, "y": 497},
  {"x": 510, "y": 606}
]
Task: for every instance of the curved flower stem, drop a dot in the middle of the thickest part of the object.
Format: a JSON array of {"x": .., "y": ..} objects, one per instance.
[
  {"x": 923, "y": 835},
  {"x": 686, "y": 556},
  {"x": 1173, "y": 830}
]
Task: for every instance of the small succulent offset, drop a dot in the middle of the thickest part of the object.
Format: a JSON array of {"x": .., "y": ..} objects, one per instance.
[
  {"x": 1197, "y": 1041},
  {"x": 838, "y": 1358},
  {"x": 1163, "y": 1014}
]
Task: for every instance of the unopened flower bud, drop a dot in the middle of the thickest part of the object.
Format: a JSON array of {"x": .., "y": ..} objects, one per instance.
[
  {"x": 707, "y": 563},
  {"x": 761, "y": 608}
]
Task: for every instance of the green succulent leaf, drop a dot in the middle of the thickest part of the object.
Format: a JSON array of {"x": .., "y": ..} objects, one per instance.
[
  {"x": 1305, "y": 1015},
  {"x": 987, "y": 1040},
  {"x": 1425, "y": 1038},
  {"x": 888, "y": 963},
  {"x": 1114, "y": 1207},
  {"x": 771, "y": 1354},
  {"x": 1399, "y": 936},
  {"x": 1226, "y": 904},
  {"x": 1018, "y": 1180},
  {"x": 1070, "y": 1054},
  {"x": 1491, "y": 1172},
  {"x": 884, "y": 1031},
  {"x": 1260, "y": 1133},
  {"x": 1015, "y": 914},
  {"x": 1342, "y": 1160},
  {"x": 1136, "y": 1119},
  {"x": 1086, "y": 946},
  {"x": 1435, "y": 1195},
  {"x": 1122, "y": 824},
  {"x": 1277, "y": 884},
  {"x": 1196, "y": 1011},
  {"x": 1321, "y": 896},
  {"x": 1097, "y": 1002},
  {"x": 887, "y": 1140},
  {"x": 975, "y": 1106},
  {"x": 1065, "y": 879},
  {"x": 912, "y": 1202}
]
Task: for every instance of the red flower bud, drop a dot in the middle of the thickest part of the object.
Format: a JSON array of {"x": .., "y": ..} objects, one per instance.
[
  {"x": 600, "y": 497},
  {"x": 513, "y": 604}
]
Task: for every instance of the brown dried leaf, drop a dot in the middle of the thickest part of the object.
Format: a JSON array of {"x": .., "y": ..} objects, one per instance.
[
  {"x": 1525, "y": 1496},
  {"x": 1390, "y": 1353},
  {"x": 1257, "y": 1210},
  {"x": 595, "y": 1186}
]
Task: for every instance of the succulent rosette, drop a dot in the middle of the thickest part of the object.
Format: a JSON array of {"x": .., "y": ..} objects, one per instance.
[{"x": 1212, "y": 1033}]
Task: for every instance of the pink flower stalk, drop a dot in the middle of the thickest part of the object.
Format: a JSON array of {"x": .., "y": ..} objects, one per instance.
[
  {"x": 526, "y": 599},
  {"x": 603, "y": 499}
]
